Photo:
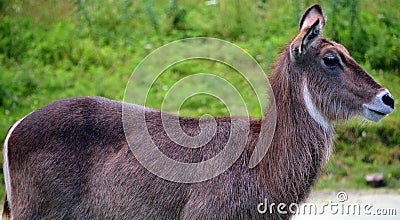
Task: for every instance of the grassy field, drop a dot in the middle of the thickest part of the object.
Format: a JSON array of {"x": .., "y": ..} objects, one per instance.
[{"x": 52, "y": 50}]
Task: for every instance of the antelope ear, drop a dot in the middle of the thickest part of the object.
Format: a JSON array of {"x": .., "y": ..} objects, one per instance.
[
  {"x": 311, "y": 26},
  {"x": 311, "y": 35},
  {"x": 309, "y": 17}
]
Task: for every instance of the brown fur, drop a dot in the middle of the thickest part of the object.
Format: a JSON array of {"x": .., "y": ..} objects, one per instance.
[
  {"x": 70, "y": 159},
  {"x": 6, "y": 209}
]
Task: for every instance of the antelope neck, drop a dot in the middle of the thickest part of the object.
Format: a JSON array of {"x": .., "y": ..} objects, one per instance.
[{"x": 312, "y": 109}]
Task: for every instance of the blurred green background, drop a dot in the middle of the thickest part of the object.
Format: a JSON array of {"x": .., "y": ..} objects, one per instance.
[{"x": 56, "y": 49}]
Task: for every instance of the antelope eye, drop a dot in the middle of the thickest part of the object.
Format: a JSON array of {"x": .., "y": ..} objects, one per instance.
[{"x": 330, "y": 60}]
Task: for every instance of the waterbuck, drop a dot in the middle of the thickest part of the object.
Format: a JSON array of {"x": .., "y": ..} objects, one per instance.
[{"x": 71, "y": 160}]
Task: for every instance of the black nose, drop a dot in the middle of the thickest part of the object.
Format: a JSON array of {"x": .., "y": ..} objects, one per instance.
[{"x": 388, "y": 100}]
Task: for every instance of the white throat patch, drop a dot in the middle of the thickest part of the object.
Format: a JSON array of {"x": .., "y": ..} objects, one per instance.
[{"x": 313, "y": 111}]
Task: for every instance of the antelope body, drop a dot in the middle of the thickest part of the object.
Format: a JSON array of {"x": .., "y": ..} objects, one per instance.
[{"x": 71, "y": 160}]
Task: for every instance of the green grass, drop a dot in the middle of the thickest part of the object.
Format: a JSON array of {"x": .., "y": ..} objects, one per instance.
[{"x": 53, "y": 50}]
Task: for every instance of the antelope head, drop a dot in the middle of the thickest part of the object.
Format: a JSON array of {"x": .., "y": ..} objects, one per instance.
[{"x": 334, "y": 86}]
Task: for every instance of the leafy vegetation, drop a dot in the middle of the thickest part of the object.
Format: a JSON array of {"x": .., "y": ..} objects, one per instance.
[{"x": 56, "y": 49}]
